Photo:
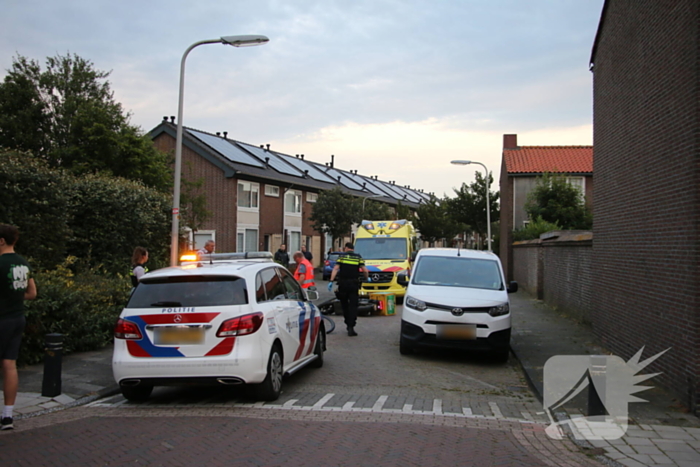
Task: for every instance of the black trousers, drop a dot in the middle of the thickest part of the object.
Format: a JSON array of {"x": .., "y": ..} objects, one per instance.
[{"x": 348, "y": 296}]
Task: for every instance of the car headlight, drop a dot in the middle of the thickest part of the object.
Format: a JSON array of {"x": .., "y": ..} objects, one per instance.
[
  {"x": 499, "y": 310},
  {"x": 415, "y": 304}
]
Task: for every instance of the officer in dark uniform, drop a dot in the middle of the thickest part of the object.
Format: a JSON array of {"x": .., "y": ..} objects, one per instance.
[{"x": 348, "y": 269}]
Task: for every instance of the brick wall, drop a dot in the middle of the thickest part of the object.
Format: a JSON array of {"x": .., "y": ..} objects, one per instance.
[
  {"x": 527, "y": 266},
  {"x": 567, "y": 276},
  {"x": 646, "y": 254},
  {"x": 221, "y": 192},
  {"x": 557, "y": 270}
]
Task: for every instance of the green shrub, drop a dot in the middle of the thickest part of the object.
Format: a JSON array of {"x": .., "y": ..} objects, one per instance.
[
  {"x": 83, "y": 307},
  {"x": 534, "y": 229}
]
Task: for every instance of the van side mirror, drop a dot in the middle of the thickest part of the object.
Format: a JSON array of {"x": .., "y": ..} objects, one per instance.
[
  {"x": 402, "y": 280},
  {"x": 512, "y": 287}
]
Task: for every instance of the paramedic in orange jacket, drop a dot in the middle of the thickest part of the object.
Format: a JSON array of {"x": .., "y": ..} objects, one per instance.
[{"x": 304, "y": 273}]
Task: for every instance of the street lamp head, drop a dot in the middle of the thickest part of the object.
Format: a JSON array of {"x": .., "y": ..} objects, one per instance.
[
  {"x": 244, "y": 41},
  {"x": 460, "y": 162}
]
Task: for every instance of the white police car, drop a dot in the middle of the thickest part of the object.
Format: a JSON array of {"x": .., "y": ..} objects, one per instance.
[
  {"x": 457, "y": 299},
  {"x": 229, "y": 319}
]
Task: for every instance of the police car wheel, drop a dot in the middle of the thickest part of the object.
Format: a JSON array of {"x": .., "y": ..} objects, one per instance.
[
  {"x": 271, "y": 388},
  {"x": 139, "y": 393},
  {"x": 318, "y": 350}
]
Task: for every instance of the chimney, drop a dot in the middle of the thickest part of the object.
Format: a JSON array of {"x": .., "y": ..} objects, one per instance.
[
  {"x": 165, "y": 119},
  {"x": 510, "y": 141},
  {"x": 172, "y": 119},
  {"x": 306, "y": 173},
  {"x": 262, "y": 146},
  {"x": 225, "y": 134},
  {"x": 218, "y": 133},
  {"x": 302, "y": 157},
  {"x": 268, "y": 146},
  {"x": 296, "y": 155},
  {"x": 332, "y": 160}
]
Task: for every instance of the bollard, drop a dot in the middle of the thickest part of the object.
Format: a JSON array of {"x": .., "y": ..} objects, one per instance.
[
  {"x": 597, "y": 372},
  {"x": 51, "y": 385}
]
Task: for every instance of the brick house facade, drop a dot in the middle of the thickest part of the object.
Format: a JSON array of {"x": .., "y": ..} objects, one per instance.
[
  {"x": 259, "y": 198},
  {"x": 646, "y": 250},
  {"x": 520, "y": 167}
]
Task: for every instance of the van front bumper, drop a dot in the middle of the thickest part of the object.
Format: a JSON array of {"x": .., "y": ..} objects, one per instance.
[{"x": 416, "y": 337}]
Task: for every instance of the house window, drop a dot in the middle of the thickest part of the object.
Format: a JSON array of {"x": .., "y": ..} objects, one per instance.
[
  {"x": 311, "y": 197},
  {"x": 271, "y": 190},
  {"x": 579, "y": 183},
  {"x": 248, "y": 195},
  {"x": 292, "y": 202},
  {"x": 294, "y": 242},
  {"x": 246, "y": 240}
]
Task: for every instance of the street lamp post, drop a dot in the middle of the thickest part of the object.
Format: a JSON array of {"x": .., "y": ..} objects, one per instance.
[
  {"x": 236, "y": 41},
  {"x": 488, "y": 203}
]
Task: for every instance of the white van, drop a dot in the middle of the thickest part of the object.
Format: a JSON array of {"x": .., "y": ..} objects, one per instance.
[{"x": 457, "y": 298}]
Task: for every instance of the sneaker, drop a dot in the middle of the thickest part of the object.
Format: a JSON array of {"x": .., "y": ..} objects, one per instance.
[{"x": 6, "y": 424}]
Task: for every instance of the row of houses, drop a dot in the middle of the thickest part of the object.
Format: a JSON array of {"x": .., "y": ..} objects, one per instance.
[{"x": 260, "y": 198}]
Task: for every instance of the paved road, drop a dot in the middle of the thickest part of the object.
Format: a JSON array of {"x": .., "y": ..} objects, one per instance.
[{"x": 368, "y": 405}]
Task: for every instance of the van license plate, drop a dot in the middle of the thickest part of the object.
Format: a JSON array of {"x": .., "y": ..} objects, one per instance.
[
  {"x": 179, "y": 336},
  {"x": 456, "y": 331}
]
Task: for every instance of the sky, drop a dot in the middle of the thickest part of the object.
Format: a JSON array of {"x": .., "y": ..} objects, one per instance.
[{"x": 394, "y": 88}]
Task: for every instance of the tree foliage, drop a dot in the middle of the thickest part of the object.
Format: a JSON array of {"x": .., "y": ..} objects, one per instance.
[
  {"x": 469, "y": 205},
  {"x": 334, "y": 212},
  {"x": 375, "y": 210},
  {"x": 67, "y": 116},
  {"x": 97, "y": 219},
  {"x": 434, "y": 221},
  {"x": 556, "y": 201}
]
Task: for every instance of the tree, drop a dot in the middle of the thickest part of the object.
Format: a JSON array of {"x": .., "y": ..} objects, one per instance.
[
  {"x": 434, "y": 222},
  {"x": 404, "y": 212},
  {"x": 469, "y": 205},
  {"x": 97, "y": 219},
  {"x": 67, "y": 116},
  {"x": 375, "y": 210},
  {"x": 556, "y": 201},
  {"x": 334, "y": 212}
]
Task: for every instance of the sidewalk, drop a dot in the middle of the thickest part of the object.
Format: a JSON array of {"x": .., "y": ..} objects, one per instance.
[{"x": 659, "y": 433}]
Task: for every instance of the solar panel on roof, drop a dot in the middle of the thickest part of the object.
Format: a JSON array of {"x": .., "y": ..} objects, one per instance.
[
  {"x": 226, "y": 148},
  {"x": 344, "y": 179},
  {"x": 302, "y": 165},
  {"x": 391, "y": 189},
  {"x": 410, "y": 195},
  {"x": 273, "y": 159},
  {"x": 363, "y": 182}
]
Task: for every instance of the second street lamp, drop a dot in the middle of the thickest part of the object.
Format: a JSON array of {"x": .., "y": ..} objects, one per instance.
[
  {"x": 488, "y": 204},
  {"x": 236, "y": 41}
]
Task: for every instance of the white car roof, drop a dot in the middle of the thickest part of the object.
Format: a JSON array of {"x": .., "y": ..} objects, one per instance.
[
  {"x": 462, "y": 252},
  {"x": 238, "y": 268}
]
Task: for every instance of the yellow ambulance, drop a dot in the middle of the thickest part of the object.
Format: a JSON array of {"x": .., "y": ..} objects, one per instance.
[{"x": 388, "y": 248}]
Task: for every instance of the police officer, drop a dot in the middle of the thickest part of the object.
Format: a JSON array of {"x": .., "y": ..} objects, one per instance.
[{"x": 348, "y": 269}]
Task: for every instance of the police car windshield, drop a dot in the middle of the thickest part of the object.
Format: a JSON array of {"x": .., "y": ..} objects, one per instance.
[
  {"x": 381, "y": 248},
  {"x": 195, "y": 291},
  {"x": 457, "y": 272}
]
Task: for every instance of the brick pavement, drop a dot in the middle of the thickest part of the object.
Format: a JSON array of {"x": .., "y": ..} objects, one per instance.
[{"x": 250, "y": 436}]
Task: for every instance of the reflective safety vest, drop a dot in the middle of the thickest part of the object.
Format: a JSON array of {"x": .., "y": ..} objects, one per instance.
[
  {"x": 134, "y": 279},
  {"x": 308, "y": 279}
]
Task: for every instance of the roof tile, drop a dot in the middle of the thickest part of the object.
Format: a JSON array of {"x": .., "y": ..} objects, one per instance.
[{"x": 556, "y": 159}]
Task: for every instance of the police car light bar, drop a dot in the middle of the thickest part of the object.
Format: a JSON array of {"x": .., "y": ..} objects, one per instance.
[{"x": 218, "y": 257}]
